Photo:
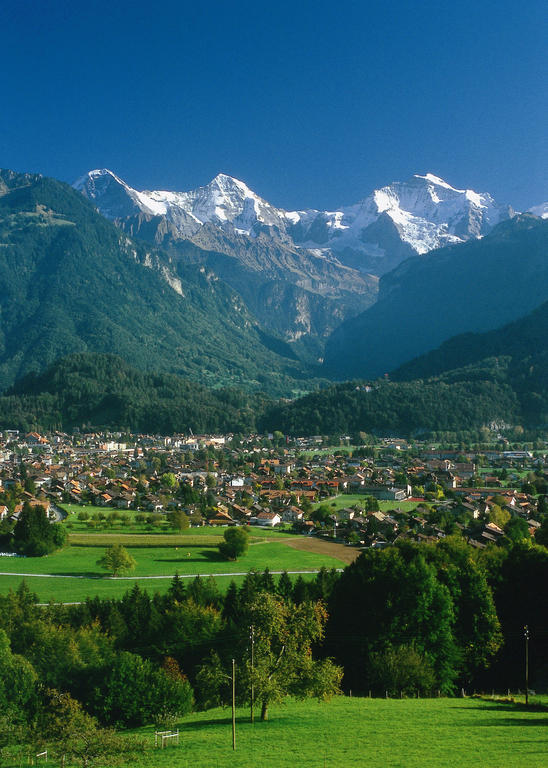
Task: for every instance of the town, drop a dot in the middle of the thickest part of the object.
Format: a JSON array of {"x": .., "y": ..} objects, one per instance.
[{"x": 369, "y": 495}]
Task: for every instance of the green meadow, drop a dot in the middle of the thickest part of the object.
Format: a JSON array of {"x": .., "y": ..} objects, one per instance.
[
  {"x": 126, "y": 521},
  {"x": 72, "y": 574},
  {"x": 349, "y": 499},
  {"x": 354, "y": 732}
]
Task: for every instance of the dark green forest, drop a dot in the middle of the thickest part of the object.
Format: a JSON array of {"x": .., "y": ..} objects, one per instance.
[
  {"x": 458, "y": 400},
  {"x": 103, "y": 390},
  {"x": 91, "y": 391}
]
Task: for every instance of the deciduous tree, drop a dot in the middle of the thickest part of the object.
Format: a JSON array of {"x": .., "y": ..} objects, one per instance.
[
  {"x": 283, "y": 664},
  {"x": 117, "y": 560},
  {"x": 235, "y": 544},
  {"x": 179, "y": 520}
]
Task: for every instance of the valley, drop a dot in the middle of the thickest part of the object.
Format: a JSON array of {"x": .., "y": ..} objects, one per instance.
[{"x": 273, "y": 385}]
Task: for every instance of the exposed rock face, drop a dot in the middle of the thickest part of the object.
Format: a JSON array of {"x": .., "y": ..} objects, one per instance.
[{"x": 328, "y": 262}]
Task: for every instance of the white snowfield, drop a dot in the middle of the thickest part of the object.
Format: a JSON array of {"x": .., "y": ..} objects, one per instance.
[
  {"x": 422, "y": 213},
  {"x": 540, "y": 210}
]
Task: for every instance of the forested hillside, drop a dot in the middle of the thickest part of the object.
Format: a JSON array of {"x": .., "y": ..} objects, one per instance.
[
  {"x": 103, "y": 390},
  {"x": 459, "y": 400},
  {"x": 524, "y": 346},
  {"x": 72, "y": 282}
]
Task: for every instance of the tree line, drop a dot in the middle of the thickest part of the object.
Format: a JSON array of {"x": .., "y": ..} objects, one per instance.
[
  {"x": 103, "y": 391},
  {"x": 412, "y": 618}
]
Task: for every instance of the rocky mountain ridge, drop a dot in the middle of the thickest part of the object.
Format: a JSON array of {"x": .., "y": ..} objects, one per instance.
[
  {"x": 302, "y": 273},
  {"x": 74, "y": 283},
  {"x": 372, "y": 236}
]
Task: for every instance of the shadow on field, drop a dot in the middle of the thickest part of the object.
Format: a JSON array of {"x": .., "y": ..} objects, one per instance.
[
  {"x": 83, "y": 574},
  {"x": 516, "y": 708},
  {"x": 205, "y": 554},
  {"x": 214, "y": 556},
  {"x": 521, "y": 721},
  {"x": 244, "y": 719},
  {"x": 507, "y": 707}
]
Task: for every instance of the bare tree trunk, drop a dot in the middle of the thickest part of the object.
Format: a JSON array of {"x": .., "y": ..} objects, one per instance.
[{"x": 264, "y": 711}]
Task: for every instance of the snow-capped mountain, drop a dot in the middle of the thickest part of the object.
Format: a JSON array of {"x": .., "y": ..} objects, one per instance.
[
  {"x": 397, "y": 221},
  {"x": 400, "y": 220},
  {"x": 225, "y": 202},
  {"x": 297, "y": 293},
  {"x": 540, "y": 210}
]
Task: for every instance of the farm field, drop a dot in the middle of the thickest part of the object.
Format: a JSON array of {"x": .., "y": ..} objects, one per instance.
[
  {"x": 353, "y": 732},
  {"x": 72, "y": 573},
  {"x": 127, "y": 523},
  {"x": 348, "y": 499},
  {"x": 329, "y": 451}
]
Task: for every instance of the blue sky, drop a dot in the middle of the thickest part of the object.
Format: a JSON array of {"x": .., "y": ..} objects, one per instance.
[{"x": 312, "y": 104}]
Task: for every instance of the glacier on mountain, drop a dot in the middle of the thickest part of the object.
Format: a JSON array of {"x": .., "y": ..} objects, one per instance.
[
  {"x": 540, "y": 210},
  {"x": 373, "y": 235}
]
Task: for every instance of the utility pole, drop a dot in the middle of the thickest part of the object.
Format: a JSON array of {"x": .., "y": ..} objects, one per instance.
[
  {"x": 233, "y": 704},
  {"x": 252, "y": 638},
  {"x": 526, "y": 635}
]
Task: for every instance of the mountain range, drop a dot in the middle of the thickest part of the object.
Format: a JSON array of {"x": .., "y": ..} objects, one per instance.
[
  {"x": 475, "y": 286},
  {"x": 301, "y": 273},
  {"x": 372, "y": 236},
  {"x": 218, "y": 286}
]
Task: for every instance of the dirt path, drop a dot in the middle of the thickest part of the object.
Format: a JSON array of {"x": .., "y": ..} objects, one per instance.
[{"x": 322, "y": 547}]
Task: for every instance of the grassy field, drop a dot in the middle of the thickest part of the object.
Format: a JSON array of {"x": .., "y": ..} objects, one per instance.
[
  {"x": 428, "y": 733},
  {"x": 353, "y": 732},
  {"x": 130, "y": 526},
  {"x": 349, "y": 499},
  {"x": 72, "y": 574},
  {"x": 66, "y": 590}
]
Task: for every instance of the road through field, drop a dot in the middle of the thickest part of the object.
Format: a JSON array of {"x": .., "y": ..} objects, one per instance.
[{"x": 134, "y": 578}]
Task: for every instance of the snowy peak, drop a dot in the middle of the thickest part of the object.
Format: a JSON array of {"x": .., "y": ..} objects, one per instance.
[
  {"x": 114, "y": 198},
  {"x": 374, "y": 235},
  {"x": 225, "y": 202},
  {"x": 428, "y": 212},
  {"x": 434, "y": 179},
  {"x": 430, "y": 197},
  {"x": 399, "y": 220},
  {"x": 540, "y": 210}
]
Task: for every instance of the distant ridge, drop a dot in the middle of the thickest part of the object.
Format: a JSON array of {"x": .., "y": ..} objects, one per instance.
[{"x": 472, "y": 287}]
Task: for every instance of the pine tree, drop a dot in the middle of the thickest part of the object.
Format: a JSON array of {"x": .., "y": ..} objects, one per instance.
[
  {"x": 231, "y": 606},
  {"x": 176, "y": 592},
  {"x": 285, "y": 586},
  {"x": 266, "y": 582}
]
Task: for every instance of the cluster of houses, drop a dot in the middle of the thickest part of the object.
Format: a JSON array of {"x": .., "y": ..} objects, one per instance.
[{"x": 248, "y": 480}]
